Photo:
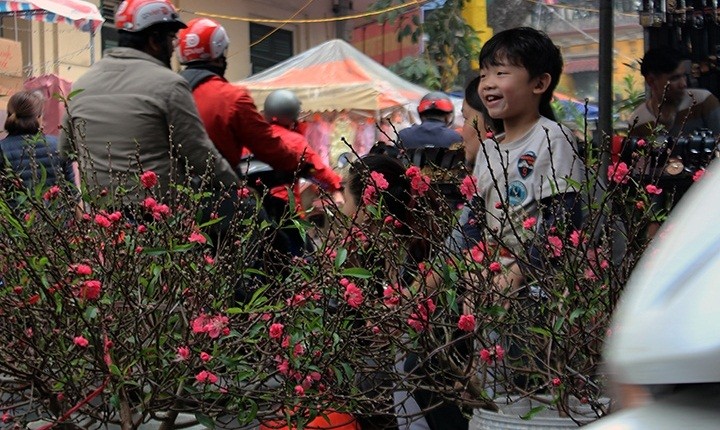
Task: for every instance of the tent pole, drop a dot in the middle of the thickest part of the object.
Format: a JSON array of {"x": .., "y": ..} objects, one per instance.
[{"x": 92, "y": 47}]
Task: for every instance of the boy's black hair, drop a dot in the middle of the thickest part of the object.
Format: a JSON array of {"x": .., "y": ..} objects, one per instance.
[
  {"x": 529, "y": 48},
  {"x": 662, "y": 59}
]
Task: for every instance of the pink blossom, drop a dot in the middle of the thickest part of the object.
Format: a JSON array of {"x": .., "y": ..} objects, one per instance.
[
  {"x": 556, "y": 382},
  {"x": 209, "y": 260},
  {"x": 149, "y": 203},
  {"x": 698, "y": 175},
  {"x": 141, "y": 229},
  {"x": 556, "y": 245},
  {"x": 6, "y": 417},
  {"x": 466, "y": 323},
  {"x": 412, "y": 171},
  {"x": 51, "y": 193},
  {"x": 160, "y": 211},
  {"x": 416, "y": 323},
  {"x": 89, "y": 290},
  {"x": 205, "y": 357},
  {"x": 420, "y": 183},
  {"x": 243, "y": 192},
  {"x": 283, "y": 366},
  {"x": 640, "y": 205},
  {"x": 652, "y": 189},
  {"x": 498, "y": 205},
  {"x": 369, "y": 195},
  {"x": 529, "y": 223},
  {"x": 102, "y": 221},
  {"x": 205, "y": 377},
  {"x": 390, "y": 296},
  {"x": 149, "y": 179},
  {"x": 495, "y": 267},
  {"x": 80, "y": 341},
  {"x": 489, "y": 135},
  {"x": 276, "y": 330},
  {"x": 379, "y": 181},
  {"x": 353, "y": 295},
  {"x": 344, "y": 282},
  {"x": 299, "y": 390},
  {"x": 197, "y": 237},
  {"x": 488, "y": 356},
  {"x": 589, "y": 274},
  {"x": 478, "y": 252},
  {"x": 468, "y": 187},
  {"x": 82, "y": 269},
  {"x": 213, "y": 326},
  {"x": 640, "y": 143},
  {"x": 388, "y": 219},
  {"x": 576, "y": 238},
  {"x": 183, "y": 353},
  {"x": 618, "y": 173}
]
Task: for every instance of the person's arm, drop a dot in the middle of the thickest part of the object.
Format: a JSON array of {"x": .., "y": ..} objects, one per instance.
[
  {"x": 191, "y": 139},
  {"x": 256, "y": 134}
]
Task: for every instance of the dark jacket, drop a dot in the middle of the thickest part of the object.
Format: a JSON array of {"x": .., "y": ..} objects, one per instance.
[
  {"x": 431, "y": 133},
  {"x": 28, "y": 155}
]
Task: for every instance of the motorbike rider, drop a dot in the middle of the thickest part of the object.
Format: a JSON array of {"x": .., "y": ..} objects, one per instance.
[
  {"x": 227, "y": 110},
  {"x": 437, "y": 113},
  {"x": 282, "y": 110}
]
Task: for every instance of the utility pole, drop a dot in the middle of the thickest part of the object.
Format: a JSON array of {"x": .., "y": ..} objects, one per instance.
[
  {"x": 605, "y": 96},
  {"x": 341, "y": 8}
]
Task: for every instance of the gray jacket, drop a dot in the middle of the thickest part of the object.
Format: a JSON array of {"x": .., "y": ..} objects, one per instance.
[{"x": 132, "y": 108}]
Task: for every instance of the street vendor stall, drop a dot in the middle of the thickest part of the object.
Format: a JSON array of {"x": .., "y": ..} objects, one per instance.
[{"x": 344, "y": 94}]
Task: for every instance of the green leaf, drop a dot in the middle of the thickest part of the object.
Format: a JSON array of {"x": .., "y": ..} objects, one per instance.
[
  {"x": 540, "y": 331},
  {"x": 205, "y": 420},
  {"x": 340, "y": 257},
  {"x": 233, "y": 311},
  {"x": 115, "y": 371},
  {"x": 357, "y": 272},
  {"x": 74, "y": 93},
  {"x": 532, "y": 412}
]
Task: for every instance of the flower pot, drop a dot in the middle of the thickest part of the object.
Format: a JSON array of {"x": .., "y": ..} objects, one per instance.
[{"x": 509, "y": 417}]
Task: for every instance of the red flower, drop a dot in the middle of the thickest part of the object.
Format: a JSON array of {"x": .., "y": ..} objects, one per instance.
[
  {"x": 89, "y": 290},
  {"x": 149, "y": 179},
  {"x": 495, "y": 267},
  {"x": 204, "y": 356},
  {"x": 698, "y": 175},
  {"x": 478, "y": 252},
  {"x": 618, "y": 173},
  {"x": 205, "y": 377},
  {"x": 489, "y": 135},
  {"x": 652, "y": 189},
  {"x": 420, "y": 184},
  {"x": 353, "y": 295},
  {"x": 149, "y": 203},
  {"x": 556, "y": 382},
  {"x": 489, "y": 356},
  {"x": 243, "y": 192},
  {"x": 575, "y": 238},
  {"x": 369, "y": 193},
  {"x": 102, "y": 221},
  {"x": 197, "y": 237},
  {"x": 379, "y": 181},
  {"x": 160, "y": 211},
  {"x": 299, "y": 390},
  {"x": 529, "y": 223},
  {"x": 468, "y": 188},
  {"x": 276, "y": 330},
  {"x": 183, "y": 353},
  {"x": 556, "y": 245},
  {"x": 80, "y": 341},
  {"x": 390, "y": 296},
  {"x": 51, "y": 193},
  {"x": 82, "y": 269},
  {"x": 466, "y": 323}
]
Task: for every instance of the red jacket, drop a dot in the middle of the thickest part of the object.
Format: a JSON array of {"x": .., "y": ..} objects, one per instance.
[
  {"x": 234, "y": 123},
  {"x": 319, "y": 171}
]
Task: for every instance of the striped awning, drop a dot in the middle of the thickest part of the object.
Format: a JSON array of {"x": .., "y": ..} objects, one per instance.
[{"x": 80, "y": 14}]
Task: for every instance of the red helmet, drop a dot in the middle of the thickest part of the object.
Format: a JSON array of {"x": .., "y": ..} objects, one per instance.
[
  {"x": 436, "y": 101},
  {"x": 203, "y": 40},
  {"x": 137, "y": 15}
]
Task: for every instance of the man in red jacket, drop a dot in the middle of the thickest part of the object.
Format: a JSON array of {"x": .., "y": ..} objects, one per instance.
[
  {"x": 228, "y": 111},
  {"x": 282, "y": 109}
]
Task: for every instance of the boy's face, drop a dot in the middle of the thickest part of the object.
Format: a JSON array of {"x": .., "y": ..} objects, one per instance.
[{"x": 508, "y": 92}]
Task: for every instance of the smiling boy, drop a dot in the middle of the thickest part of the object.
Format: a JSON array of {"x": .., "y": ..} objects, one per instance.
[{"x": 525, "y": 175}]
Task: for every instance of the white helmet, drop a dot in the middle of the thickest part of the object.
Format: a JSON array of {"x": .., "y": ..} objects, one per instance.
[{"x": 667, "y": 328}]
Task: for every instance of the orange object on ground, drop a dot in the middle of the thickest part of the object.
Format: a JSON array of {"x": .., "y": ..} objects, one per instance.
[{"x": 331, "y": 420}]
